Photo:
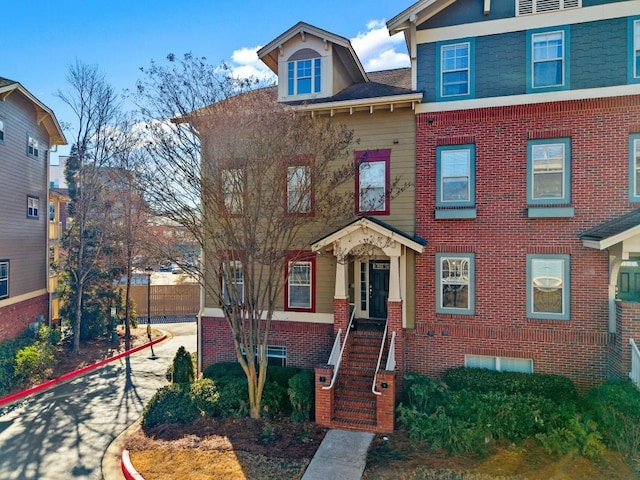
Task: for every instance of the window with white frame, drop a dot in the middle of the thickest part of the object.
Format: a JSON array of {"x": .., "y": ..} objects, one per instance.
[
  {"x": 548, "y": 64},
  {"x": 548, "y": 286},
  {"x": 634, "y": 167},
  {"x": 455, "y": 283},
  {"x": 233, "y": 283},
  {"x": 32, "y": 147},
  {"x": 299, "y": 285},
  {"x": 455, "y": 171},
  {"x": 304, "y": 72},
  {"x": 1, "y": 130},
  {"x": 4, "y": 278},
  {"x": 233, "y": 190},
  {"x": 455, "y": 69},
  {"x": 32, "y": 206},
  {"x": 275, "y": 355},
  {"x": 372, "y": 179},
  {"x": 549, "y": 175},
  {"x": 299, "y": 189},
  {"x": 501, "y": 364},
  {"x": 635, "y": 51}
]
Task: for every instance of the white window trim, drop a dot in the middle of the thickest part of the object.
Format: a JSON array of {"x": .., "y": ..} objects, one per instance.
[
  {"x": 303, "y": 206},
  {"x": 5, "y": 279},
  {"x": 312, "y": 78},
  {"x": 226, "y": 297},
  {"x": 498, "y": 362},
  {"x": 443, "y": 70},
  {"x": 33, "y": 147},
  {"x": 33, "y": 206},
  {"x": 309, "y": 285},
  {"x": 562, "y": 59}
]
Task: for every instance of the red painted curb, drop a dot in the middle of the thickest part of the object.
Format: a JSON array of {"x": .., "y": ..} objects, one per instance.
[
  {"x": 128, "y": 470},
  {"x": 76, "y": 373}
]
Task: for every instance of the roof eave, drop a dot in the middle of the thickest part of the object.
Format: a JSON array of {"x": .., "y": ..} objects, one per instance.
[
  {"x": 612, "y": 240},
  {"x": 371, "y": 104}
]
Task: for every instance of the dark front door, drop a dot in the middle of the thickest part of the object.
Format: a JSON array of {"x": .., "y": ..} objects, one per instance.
[
  {"x": 378, "y": 288},
  {"x": 629, "y": 281}
]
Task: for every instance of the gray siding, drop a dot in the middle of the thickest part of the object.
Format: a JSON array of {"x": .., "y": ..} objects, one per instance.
[{"x": 23, "y": 240}]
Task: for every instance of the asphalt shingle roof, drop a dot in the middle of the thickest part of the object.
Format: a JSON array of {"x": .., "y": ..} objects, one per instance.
[{"x": 613, "y": 227}]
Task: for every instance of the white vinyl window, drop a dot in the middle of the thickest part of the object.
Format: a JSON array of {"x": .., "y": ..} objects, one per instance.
[
  {"x": 32, "y": 147},
  {"x": 4, "y": 278},
  {"x": 233, "y": 283},
  {"x": 1, "y": 130},
  {"x": 299, "y": 189},
  {"x": 501, "y": 364},
  {"x": 32, "y": 206},
  {"x": 548, "y": 293},
  {"x": 455, "y": 284},
  {"x": 299, "y": 284},
  {"x": 548, "y": 59},
  {"x": 454, "y": 70}
]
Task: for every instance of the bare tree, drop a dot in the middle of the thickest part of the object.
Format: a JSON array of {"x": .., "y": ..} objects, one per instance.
[
  {"x": 96, "y": 108},
  {"x": 254, "y": 182}
]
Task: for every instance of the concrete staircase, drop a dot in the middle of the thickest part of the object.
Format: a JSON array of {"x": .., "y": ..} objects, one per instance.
[{"x": 354, "y": 404}]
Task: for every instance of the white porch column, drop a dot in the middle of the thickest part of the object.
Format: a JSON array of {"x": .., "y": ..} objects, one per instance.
[
  {"x": 341, "y": 279},
  {"x": 394, "y": 278}
]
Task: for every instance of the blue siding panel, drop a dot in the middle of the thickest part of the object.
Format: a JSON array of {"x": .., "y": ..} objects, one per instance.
[
  {"x": 470, "y": 11},
  {"x": 427, "y": 71},
  {"x": 500, "y": 65},
  {"x": 598, "y": 54}
]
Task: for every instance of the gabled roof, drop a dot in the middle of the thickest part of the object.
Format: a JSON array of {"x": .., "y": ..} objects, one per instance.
[
  {"x": 411, "y": 241},
  {"x": 269, "y": 53},
  {"x": 612, "y": 232},
  {"x": 416, "y": 14},
  {"x": 43, "y": 113}
]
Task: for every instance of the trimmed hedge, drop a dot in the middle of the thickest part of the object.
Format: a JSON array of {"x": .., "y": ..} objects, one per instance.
[
  {"x": 170, "y": 404},
  {"x": 553, "y": 387}
]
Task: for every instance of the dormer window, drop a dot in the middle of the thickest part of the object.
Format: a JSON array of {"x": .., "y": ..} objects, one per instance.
[{"x": 304, "y": 72}]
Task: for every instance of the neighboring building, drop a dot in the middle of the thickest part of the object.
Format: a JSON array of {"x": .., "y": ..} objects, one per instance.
[
  {"x": 518, "y": 249},
  {"x": 28, "y": 131},
  {"x": 56, "y": 173},
  {"x": 58, "y": 200}
]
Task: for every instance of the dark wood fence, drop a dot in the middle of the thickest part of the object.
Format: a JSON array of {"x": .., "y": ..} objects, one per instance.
[{"x": 166, "y": 299}]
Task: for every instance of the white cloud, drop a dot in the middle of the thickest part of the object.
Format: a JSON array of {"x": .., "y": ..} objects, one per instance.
[
  {"x": 245, "y": 64},
  {"x": 377, "y": 50}
]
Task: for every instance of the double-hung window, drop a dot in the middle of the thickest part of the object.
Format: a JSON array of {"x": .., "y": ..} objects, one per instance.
[
  {"x": 304, "y": 73},
  {"x": 633, "y": 68},
  {"x": 233, "y": 283},
  {"x": 299, "y": 189},
  {"x": 549, "y": 177},
  {"x": 1, "y": 130},
  {"x": 33, "y": 204},
  {"x": 455, "y": 75},
  {"x": 372, "y": 181},
  {"x": 455, "y": 283},
  {"x": 299, "y": 289},
  {"x": 455, "y": 172},
  {"x": 32, "y": 147},
  {"x": 548, "y": 286},
  {"x": 547, "y": 62},
  {"x": 4, "y": 278},
  {"x": 233, "y": 190},
  {"x": 634, "y": 167},
  {"x": 500, "y": 364}
]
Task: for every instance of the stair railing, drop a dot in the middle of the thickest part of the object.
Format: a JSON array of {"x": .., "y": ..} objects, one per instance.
[
  {"x": 344, "y": 343},
  {"x": 634, "y": 374},
  {"x": 391, "y": 359},
  {"x": 384, "y": 341}
]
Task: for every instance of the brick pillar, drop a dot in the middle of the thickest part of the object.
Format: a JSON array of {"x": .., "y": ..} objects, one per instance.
[
  {"x": 324, "y": 398},
  {"x": 627, "y": 326},
  {"x": 385, "y": 403},
  {"x": 394, "y": 321},
  {"x": 340, "y": 315}
]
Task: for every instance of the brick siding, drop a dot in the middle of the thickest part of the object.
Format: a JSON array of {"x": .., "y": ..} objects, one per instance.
[{"x": 15, "y": 319}]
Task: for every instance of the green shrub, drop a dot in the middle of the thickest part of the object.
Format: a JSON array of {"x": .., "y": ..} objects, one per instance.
[
  {"x": 182, "y": 367},
  {"x": 554, "y": 387},
  {"x": 205, "y": 396},
  {"x": 274, "y": 400},
  {"x": 615, "y": 406},
  {"x": 8, "y": 351},
  {"x": 34, "y": 362},
  {"x": 301, "y": 395},
  {"x": 171, "y": 404},
  {"x": 234, "y": 397},
  {"x": 221, "y": 373},
  {"x": 424, "y": 393},
  {"x": 281, "y": 375},
  {"x": 579, "y": 437}
]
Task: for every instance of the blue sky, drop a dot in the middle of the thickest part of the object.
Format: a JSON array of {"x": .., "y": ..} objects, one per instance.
[{"x": 41, "y": 38}]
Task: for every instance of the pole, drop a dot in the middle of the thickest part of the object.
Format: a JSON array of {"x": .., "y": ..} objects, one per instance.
[{"x": 153, "y": 355}]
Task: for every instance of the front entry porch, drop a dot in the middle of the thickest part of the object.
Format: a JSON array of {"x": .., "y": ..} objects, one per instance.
[{"x": 357, "y": 387}]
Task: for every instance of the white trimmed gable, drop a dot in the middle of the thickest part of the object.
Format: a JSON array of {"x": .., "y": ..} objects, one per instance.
[{"x": 338, "y": 64}]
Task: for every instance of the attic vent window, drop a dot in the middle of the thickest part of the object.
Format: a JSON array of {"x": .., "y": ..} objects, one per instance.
[
  {"x": 304, "y": 72},
  {"x": 528, "y": 7}
]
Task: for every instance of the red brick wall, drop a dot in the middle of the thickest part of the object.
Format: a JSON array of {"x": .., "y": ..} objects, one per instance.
[
  {"x": 627, "y": 326},
  {"x": 308, "y": 344},
  {"x": 14, "y": 319},
  {"x": 502, "y": 235}
]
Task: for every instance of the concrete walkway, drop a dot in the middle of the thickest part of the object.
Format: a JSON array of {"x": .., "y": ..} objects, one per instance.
[{"x": 342, "y": 455}]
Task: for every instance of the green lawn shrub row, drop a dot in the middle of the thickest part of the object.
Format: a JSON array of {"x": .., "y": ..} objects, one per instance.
[
  {"x": 470, "y": 419},
  {"x": 553, "y": 387}
]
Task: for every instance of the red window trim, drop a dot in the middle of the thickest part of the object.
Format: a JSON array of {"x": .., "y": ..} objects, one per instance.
[
  {"x": 299, "y": 161},
  {"x": 381, "y": 155},
  {"x": 300, "y": 256}
]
